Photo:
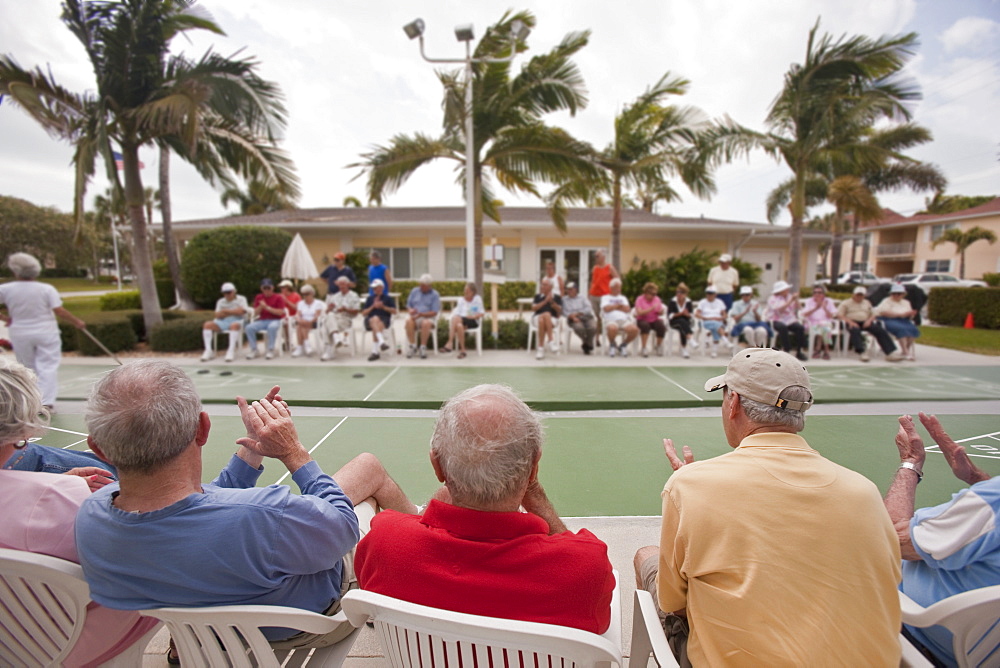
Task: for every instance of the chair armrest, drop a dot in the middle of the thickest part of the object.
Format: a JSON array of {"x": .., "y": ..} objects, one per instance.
[{"x": 647, "y": 634}]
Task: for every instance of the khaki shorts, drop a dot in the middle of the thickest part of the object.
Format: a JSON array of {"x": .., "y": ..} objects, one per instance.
[{"x": 365, "y": 511}]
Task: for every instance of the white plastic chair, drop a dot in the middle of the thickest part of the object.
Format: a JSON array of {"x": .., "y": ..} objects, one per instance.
[
  {"x": 230, "y": 635},
  {"x": 238, "y": 334},
  {"x": 647, "y": 634},
  {"x": 973, "y": 617},
  {"x": 476, "y": 333},
  {"x": 422, "y": 637},
  {"x": 44, "y": 609},
  {"x": 557, "y": 333}
]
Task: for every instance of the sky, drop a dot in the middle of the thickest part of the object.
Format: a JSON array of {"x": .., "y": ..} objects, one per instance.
[{"x": 352, "y": 80}]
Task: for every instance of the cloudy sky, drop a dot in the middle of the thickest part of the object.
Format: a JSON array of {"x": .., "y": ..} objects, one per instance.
[{"x": 352, "y": 79}]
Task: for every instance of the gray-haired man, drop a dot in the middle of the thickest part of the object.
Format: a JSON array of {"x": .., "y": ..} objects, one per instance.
[
  {"x": 771, "y": 554},
  {"x": 580, "y": 316}
]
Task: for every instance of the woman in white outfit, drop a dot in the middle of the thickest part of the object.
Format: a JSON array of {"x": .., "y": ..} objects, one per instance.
[{"x": 32, "y": 308}]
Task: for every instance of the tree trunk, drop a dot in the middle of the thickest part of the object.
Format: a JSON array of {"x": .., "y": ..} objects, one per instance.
[
  {"x": 837, "y": 245},
  {"x": 616, "y": 226},
  {"x": 183, "y": 298},
  {"x": 141, "y": 265},
  {"x": 961, "y": 264},
  {"x": 797, "y": 208}
]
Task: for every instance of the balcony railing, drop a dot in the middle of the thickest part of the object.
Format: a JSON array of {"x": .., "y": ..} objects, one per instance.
[{"x": 896, "y": 249}]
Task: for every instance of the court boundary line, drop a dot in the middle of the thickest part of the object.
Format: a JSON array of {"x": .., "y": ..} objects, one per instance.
[
  {"x": 68, "y": 431},
  {"x": 991, "y": 435},
  {"x": 671, "y": 380},
  {"x": 318, "y": 443},
  {"x": 382, "y": 382}
]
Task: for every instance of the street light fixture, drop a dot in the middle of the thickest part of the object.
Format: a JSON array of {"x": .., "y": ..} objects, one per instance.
[{"x": 464, "y": 33}]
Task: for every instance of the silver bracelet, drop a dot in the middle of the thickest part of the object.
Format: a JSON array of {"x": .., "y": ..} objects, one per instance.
[{"x": 912, "y": 467}]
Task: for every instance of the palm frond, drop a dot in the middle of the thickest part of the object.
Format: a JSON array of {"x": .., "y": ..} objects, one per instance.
[{"x": 388, "y": 167}]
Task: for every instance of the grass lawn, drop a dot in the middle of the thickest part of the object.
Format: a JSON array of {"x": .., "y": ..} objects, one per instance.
[
  {"x": 980, "y": 341},
  {"x": 82, "y": 306}
]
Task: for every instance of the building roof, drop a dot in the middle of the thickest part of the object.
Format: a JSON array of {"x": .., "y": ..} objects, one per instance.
[{"x": 894, "y": 219}]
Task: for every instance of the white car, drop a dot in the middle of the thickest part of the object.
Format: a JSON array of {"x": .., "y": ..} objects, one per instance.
[
  {"x": 860, "y": 278},
  {"x": 930, "y": 280}
]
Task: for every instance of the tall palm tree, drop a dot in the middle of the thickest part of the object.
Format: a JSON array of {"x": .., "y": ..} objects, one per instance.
[
  {"x": 652, "y": 141},
  {"x": 510, "y": 139},
  {"x": 259, "y": 197},
  {"x": 849, "y": 82},
  {"x": 216, "y": 112},
  {"x": 963, "y": 240}
]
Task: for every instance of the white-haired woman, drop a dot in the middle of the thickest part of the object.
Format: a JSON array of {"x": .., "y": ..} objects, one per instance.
[
  {"x": 307, "y": 319},
  {"x": 32, "y": 308},
  {"x": 467, "y": 316},
  {"x": 46, "y": 507}
]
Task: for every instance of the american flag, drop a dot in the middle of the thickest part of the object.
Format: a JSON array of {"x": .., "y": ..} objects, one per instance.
[{"x": 120, "y": 162}]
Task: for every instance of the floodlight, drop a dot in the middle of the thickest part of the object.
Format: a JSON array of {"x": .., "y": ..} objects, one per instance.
[
  {"x": 414, "y": 29},
  {"x": 464, "y": 33},
  {"x": 519, "y": 30}
]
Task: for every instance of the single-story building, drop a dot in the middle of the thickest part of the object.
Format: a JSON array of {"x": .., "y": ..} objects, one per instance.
[{"x": 415, "y": 240}]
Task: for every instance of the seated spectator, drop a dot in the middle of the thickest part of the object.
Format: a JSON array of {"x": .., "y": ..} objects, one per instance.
[
  {"x": 230, "y": 313},
  {"x": 547, "y": 308},
  {"x": 771, "y": 555},
  {"x": 783, "y": 314},
  {"x": 679, "y": 317},
  {"x": 468, "y": 315},
  {"x": 42, "y": 511},
  {"x": 580, "y": 316},
  {"x": 950, "y": 548},
  {"x": 711, "y": 311},
  {"x": 377, "y": 313},
  {"x": 287, "y": 291},
  {"x": 423, "y": 305},
  {"x": 269, "y": 308},
  {"x": 472, "y": 550},
  {"x": 306, "y": 320},
  {"x": 616, "y": 314},
  {"x": 896, "y": 315},
  {"x": 162, "y": 538},
  {"x": 858, "y": 316},
  {"x": 336, "y": 270},
  {"x": 747, "y": 320},
  {"x": 341, "y": 307},
  {"x": 817, "y": 315},
  {"x": 649, "y": 311},
  {"x": 558, "y": 284}
]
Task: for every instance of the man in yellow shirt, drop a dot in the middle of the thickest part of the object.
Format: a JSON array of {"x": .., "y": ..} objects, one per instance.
[{"x": 771, "y": 554}]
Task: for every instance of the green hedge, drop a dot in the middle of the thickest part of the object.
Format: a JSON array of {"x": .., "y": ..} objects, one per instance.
[
  {"x": 690, "y": 268},
  {"x": 992, "y": 279},
  {"x": 139, "y": 324},
  {"x": 165, "y": 291},
  {"x": 115, "y": 333},
  {"x": 512, "y": 334},
  {"x": 179, "y": 335},
  {"x": 507, "y": 293},
  {"x": 950, "y": 306},
  {"x": 121, "y": 301},
  {"x": 242, "y": 254},
  {"x": 67, "y": 334}
]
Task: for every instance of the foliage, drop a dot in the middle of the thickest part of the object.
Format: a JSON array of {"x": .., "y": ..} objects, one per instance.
[
  {"x": 179, "y": 335},
  {"x": 977, "y": 341},
  {"x": 114, "y": 331},
  {"x": 950, "y": 306},
  {"x": 942, "y": 203},
  {"x": 992, "y": 279},
  {"x": 121, "y": 301},
  {"x": 512, "y": 334},
  {"x": 507, "y": 293},
  {"x": 259, "y": 197},
  {"x": 45, "y": 233},
  {"x": 242, "y": 254},
  {"x": 138, "y": 323},
  {"x": 357, "y": 260},
  {"x": 67, "y": 336},
  {"x": 690, "y": 268},
  {"x": 165, "y": 290},
  {"x": 962, "y": 240}
]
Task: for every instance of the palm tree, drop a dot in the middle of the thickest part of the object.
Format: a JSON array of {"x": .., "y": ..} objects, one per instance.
[
  {"x": 214, "y": 112},
  {"x": 652, "y": 141},
  {"x": 259, "y": 197},
  {"x": 511, "y": 141},
  {"x": 963, "y": 240},
  {"x": 851, "y": 82}
]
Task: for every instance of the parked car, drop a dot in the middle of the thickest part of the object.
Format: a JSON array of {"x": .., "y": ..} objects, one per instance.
[
  {"x": 860, "y": 278},
  {"x": 929, "y": 280}
]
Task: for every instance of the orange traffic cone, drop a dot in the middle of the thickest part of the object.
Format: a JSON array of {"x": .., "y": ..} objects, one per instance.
[{"x": 969, "y": 322}]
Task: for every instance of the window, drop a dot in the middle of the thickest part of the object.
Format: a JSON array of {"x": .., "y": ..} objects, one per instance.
[
  {"x": 938, "y": 230},
  {"x": 512, "y": 262},
  {"x": 405, "y": 263},
  {"x": 454, "y": 264},
  {"x": 939, "y": 265}
]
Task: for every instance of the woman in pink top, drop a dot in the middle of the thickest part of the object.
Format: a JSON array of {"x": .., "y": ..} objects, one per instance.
[
  {"x": 818, "y": 314},
  {"x": 649, "y": 316},
  {"x": 46, "y": 505}
]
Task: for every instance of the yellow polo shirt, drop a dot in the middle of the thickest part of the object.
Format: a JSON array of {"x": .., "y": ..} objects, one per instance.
[{"x": 781, "y": 558}]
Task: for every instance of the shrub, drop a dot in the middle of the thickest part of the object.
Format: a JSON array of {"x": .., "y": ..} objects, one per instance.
[
  {"x": 511, "y": 334},
  {"x": 139, "y": 324},
  {"x": 358, "y": 261},
  {"x": 691, "y": 268},
  {"x": 67, "y": 335},
  {"x": 121, "y": 301},
  {"x": 165, "y": 291},
  {"x": 178, "y": 335},
  {"x": 242, "y": 254},
  {"x": 57, "y": 272},
  {"x": 114, "y": 331},
  {"x": 992, "y": 279},
  {"x": 950, "y": 306},
  {"x": 508, "y": 294}
]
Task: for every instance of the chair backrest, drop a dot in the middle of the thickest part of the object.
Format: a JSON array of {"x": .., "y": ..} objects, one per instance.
[
  {"x": 973, "y": 617},
  {"x": 423, "y": 637},
  {"x": 43, "y": 604}
]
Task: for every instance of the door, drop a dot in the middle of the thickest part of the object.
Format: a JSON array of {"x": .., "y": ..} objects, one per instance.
[
  {"x": 771, "y": 264},
  {"x": 573, "y": 264}
]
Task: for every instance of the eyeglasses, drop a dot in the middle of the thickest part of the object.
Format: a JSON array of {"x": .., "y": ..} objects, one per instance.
[{"x": 21, "y": 445}]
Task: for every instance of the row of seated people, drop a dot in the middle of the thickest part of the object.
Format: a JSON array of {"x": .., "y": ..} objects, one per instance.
[{"x": 769, "y": 555}]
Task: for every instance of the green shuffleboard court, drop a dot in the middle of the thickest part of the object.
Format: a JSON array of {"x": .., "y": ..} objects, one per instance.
[
  {"x": 594, "y": 466},
  {"x": 551, "y": 388}
]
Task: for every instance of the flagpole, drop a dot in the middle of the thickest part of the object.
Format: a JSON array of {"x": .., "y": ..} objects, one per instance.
[{"x": 114, "y": 242}]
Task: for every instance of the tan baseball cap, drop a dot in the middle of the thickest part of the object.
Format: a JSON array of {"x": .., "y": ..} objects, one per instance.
[{"x": 762, "y": 374}]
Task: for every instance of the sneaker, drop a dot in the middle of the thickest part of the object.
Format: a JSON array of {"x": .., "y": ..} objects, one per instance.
[
  {"x": 252, "y": 354},
  {"x": 693, "y": 344},
  {"x": 623, "y": 350},
  {"x": 554, "y": 346},
  {"x": 423, "y": 352},
  {"x": 298, "y": 351},
  {"x": 207, "y": 355},
  {"x": 644, "y": 353},
  {"x": 309, "y": 349},
  {"x": 715, "y": 350},
  {"x": 826, "y": 355},
  {"x": 894, "y": 356},
  {"x": 612, "y": 350},
  {"x": 230, "y": 355},
  {"x": 684, "y": 353},
  {"x": 587, "y": 349},
  {"x": 540, "y": 353},
  {"x": 373, "y": 357},
  {"x": 384, "y": 346},
  {"x": 865, "y": 356},
  {"x": 728, "y": 343},
  {"x": 327, "y": 353},
  {"x": 269, "y": 355},
  {"x": 817, "y": 355},
  {"x": 659, "y": 350},
  {"x": 802, "y": 358},
  {"x": 411, "y": 351}
]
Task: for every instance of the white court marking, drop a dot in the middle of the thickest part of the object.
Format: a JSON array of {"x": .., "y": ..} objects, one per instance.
[
  {"x": 670, "y": 380},
  {"x": 319, "y": 443},
  {"x": 986, "y": 451}
]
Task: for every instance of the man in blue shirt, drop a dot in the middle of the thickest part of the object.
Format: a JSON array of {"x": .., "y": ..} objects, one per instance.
[
  {"x": 335, "y": 271},
  {"x": 162, "y": 538},
  {"x": 423, "y": 304},
  {"x": 377, "y": 315},
  {"x": 950, "y": 548}
]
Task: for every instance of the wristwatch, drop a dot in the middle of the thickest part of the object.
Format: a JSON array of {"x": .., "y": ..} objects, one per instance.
[{"x": 913, "y": 467}]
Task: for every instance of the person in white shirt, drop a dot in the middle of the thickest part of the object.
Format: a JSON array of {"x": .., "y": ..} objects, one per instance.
[
  {"x": 615, "y": 312},
  {"x": 467, "y": 316},
  {"x": 725, "y": 278},
  {"x": 230, "y": 315},
  {"x": 307, "y": 319},
  {"x": 711, "y": 311},
  {"x": 748, "y": 319},
  {"x": 341, "y": 307}
]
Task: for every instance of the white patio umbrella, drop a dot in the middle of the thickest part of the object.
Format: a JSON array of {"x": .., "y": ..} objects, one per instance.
[{"x": 298, "y": 263}]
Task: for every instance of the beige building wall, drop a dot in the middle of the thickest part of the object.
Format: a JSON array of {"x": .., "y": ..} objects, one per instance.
[{"x": 981, "y": 257}]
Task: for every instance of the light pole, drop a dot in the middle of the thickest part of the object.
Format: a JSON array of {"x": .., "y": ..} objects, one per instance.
[{"x": 464, "y": 33}]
